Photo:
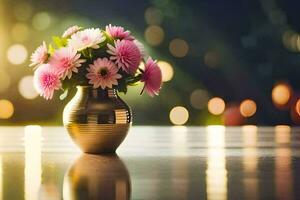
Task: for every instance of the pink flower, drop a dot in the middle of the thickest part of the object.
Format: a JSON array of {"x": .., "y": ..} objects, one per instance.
[
  {"x": 86, "y": 38},
  {"x": 71, "y": 30},
  {"x": 39, "y": 56},
  {"x": 103, "y": 73},
  {"x": 141, "y": 47},
  {"x": 126, "y": 55},
  {"x": 118, "y": 32},
  {"x": 46, "y": 81},
  {"x": 152, "y": 78},
  {"x": 65, "y": 61}
]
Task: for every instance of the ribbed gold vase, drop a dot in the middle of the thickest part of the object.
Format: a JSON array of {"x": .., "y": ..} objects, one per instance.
[{"x": 97, "y": 120}]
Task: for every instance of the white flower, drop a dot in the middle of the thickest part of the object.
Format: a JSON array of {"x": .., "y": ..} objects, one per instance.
[
  {"x": 86, "y": 38},
  {"x": 70, "y": 31}
]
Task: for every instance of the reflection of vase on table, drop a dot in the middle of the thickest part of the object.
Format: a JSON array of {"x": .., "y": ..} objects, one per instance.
[{"x": 95, "y": 177}]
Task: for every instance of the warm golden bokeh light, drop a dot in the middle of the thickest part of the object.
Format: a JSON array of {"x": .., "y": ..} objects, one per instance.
[
  {"x": 20, "y": 32},
  {"x": 199, "y": 98},
  {"x": 153, "y": 16},
  {"x": 166, "y": 70},
  {"x": 179, "y": 115},
  {"x": 297, "y": 108},
  {"x": 6, "y": 109},
  {"x": 281, "y": 94},
  {"x": 26, "y": 88},
  {"x": 154, "y": 35},
  {"x": 17, "y": 54},
  {"x": 248, "y": 108},
  {"x": 41, "y": 21},
  {"x": 216, "y": 106},
  {"x": 178, "y": 47}
]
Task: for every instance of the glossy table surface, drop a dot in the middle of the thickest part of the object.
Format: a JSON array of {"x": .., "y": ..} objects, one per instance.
[{"x": 213, "y": 162}]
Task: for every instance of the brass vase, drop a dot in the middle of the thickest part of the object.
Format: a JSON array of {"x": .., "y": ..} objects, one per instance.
[
  {"x": 97, "y": 120},
  {"x": 96, "y": 177}
]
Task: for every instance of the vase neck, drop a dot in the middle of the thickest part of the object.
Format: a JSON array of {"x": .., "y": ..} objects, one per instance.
[{"x": 98, "y": 92}]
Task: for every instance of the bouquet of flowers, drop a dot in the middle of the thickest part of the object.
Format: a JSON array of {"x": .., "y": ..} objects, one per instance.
[{"x": 101, "y": 59}]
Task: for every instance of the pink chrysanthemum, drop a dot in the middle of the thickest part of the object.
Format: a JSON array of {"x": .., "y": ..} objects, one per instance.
[
  {"x": 71, "y": 30},
  {"x": 39, "y": 56},
  {"x": 46, "y": 81},
  {"x": 152, "y": 78},
  {"x": 141, "y": 47},
  {"x": 126, "y": 55},
  {"x": 118, "y": 32},
  {"x": 86, "y": 38},
  {"x": 65, "y": 61},
  {"x": 103, "y": 73}
]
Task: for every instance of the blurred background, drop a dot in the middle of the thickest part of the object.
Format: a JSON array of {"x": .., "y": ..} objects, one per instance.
[{"x": 230, "y": 63}]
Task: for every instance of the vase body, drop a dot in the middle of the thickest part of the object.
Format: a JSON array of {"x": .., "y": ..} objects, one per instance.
[{"x": 97, "y": 120}]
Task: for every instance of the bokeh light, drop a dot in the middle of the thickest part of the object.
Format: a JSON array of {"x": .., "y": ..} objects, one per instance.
[
  {"x": 199, "y": 98},
  {"x": 179, "y": 115},
  {"x": 26, "y": 88},
  {"x": 153, "y": 16},
  {"x": 297, "y": 107},
  {"x": 281, "y": 94},
  {"x": 248, "y": 108},
  {"x": 20, "y": 32},
  {"x": 17, "y": 54},
  {"x": 6, "y": 109},
  {"x": 212, "y": 58},
  {"x": 41, "y": 21},
  {"x": 216, "y": 106},
  {"x": 291, "y": 40},
  {"x": 166, "y": 70},
  {"x": 154, "y": 35},
  {"x": 178, "y": 47}
]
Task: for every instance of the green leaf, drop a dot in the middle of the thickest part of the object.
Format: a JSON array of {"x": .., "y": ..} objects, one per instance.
[
  {"x": 51, "y": 49},
  {"x": 64, "y": 94},
  {"x": 59, "y": 42}
]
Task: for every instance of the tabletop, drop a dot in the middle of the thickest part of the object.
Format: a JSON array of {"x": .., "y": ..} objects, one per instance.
[{"x": 213, "y": 162}]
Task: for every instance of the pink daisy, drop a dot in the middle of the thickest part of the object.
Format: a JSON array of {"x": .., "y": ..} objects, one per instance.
[
  {"x": 39, "y": 56},
  {"x": 65, "y": 61},
  {"x": 118, "y": 32},
  {"x": 86, "y": 38},
  {"x": 71, "y": 30},
  {"x": 103, "y": 73},
  {"x": 126, "y": 55},
  {"x": 46, "y": 81},
  {"x": 152, "y": 78}
]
